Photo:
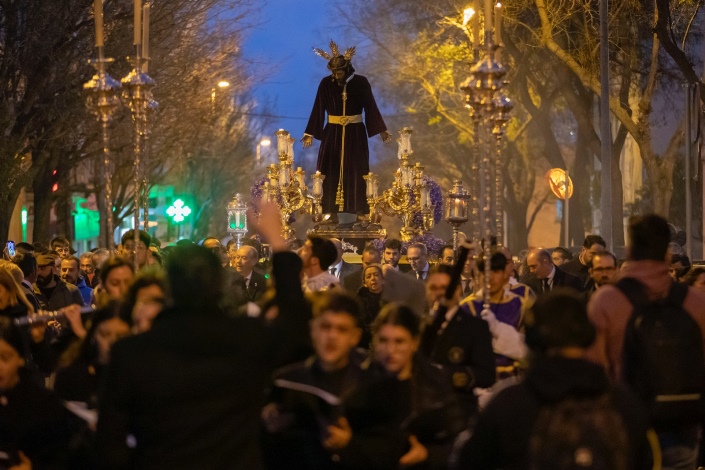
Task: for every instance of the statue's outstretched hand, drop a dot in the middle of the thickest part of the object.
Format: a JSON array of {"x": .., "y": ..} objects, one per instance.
[
  {"x": 306, "y": 141},
  {"x": 386, "y": 137}
]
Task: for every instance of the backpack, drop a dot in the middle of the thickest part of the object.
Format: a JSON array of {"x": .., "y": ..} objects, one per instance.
[
  {"x": 663, "y": 359},
  {"x": 579, "y": 433}
]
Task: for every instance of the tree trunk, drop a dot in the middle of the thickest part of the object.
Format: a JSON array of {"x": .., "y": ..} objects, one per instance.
[
  {"x": 617, "y": 204},
  {"x": 43, "y": 201},
  {"x": 8, "y": 198}
]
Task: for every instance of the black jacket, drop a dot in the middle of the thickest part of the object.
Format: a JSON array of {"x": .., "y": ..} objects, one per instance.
[
  {"x": 33, "y": 421},
  {"x": 501, "y": 438},
  {"x": 385, "y": 411},
  {"x": 191, "y": 389},
  {"x": 577, "y": 269},
  {"x": 63, "y": 295},
  {"x": 560, "y": 279},
  {"x": 464, "y": 349},
  {"x": 308, "y": 399}
]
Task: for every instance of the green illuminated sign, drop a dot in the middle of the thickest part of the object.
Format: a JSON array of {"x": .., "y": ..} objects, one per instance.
[{"x": 178, "y": 211}]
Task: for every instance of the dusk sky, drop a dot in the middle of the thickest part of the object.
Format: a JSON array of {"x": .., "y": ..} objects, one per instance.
[{"x": 283, "y": 45}]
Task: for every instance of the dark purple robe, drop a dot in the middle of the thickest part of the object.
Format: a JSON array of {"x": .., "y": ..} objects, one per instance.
[{"x": 329, "y": 99}]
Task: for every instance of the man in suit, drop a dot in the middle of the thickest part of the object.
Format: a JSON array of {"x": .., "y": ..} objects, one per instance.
[
  {"x": 188, "y": 392},
  {"x": 341, "y": 269},
  {"x": 417, "y": 254},
  {"x": 245, "y": 260},
  {"x": 545, "y": 276}
]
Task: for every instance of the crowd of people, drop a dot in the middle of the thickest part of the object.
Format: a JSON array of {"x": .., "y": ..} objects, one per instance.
[{"x": 236, "y": 357}]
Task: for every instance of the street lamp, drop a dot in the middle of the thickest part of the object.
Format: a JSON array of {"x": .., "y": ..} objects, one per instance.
[
  {"x": 221, "y": 84},
  {"x": 265, "y": 142}
]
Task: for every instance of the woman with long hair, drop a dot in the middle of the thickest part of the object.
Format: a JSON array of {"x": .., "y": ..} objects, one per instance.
[
  {"x": 406, "y": 416},
  {"x": 35, "y": 349}
]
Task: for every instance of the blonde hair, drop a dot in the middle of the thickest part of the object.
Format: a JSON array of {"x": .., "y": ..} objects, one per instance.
[
  {"x": 7, "y": 280},
  {"x": 14, "y": 270}
]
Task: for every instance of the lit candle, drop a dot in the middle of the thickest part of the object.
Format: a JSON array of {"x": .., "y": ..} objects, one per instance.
[
  {"x": 290, "y": 148},
  {"x": 138, "y": 22},
  {"x": 98, "y": 14},
  {"x": 399, "y": 152},
  {"x": 423, "y": 202},
  {"x": 282, "y": 144},
  {"x": 498, "y": 24},
  {"x": 456, "y": 208},
  {"x": 145, "y": 36},
  {"x": 237, "y": 219},
  {"x": 375, "y": 192}
]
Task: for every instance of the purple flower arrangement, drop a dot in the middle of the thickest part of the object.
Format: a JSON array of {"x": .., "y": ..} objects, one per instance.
[
  {"x": 436, "y": 198},
  {"x": 256, "y": 195}
]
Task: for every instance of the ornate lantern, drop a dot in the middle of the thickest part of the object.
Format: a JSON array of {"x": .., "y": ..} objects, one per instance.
[
  {"x": 237, "y": 218},
  {"x": 456, "y": 210}
]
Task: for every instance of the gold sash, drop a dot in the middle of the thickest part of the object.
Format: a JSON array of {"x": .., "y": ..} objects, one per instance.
[{"x": 345, "y": 120}]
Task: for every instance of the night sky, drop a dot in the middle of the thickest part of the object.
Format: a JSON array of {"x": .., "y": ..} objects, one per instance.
[{"x": 282, "y": 46}]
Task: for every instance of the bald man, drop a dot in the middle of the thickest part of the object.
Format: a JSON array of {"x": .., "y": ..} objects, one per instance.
[{"x": 545, "y": 276}]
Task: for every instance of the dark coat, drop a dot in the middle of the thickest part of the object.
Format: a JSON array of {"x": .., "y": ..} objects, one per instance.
[
  {"x": 329, "y": 99},
  {"x": 464, "y": 348},
  {"x": 191, "y": 389},
  {"x": 501, "y": 438},
  {"x": 560, "y": 279},
  {"x": 385, "y": 411},
  {"x": 63, "y": 295},
  {"x": 33, "y": 420},
  {"x": 371, "y": 305},
  {"x": 257, "y": 287},
  {"x": 577, "y": 269},
  {"x": 308, "y": 400}
]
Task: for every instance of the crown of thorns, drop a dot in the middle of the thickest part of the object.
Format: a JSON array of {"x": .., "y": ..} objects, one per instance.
[{"x": 335, "y": 59}]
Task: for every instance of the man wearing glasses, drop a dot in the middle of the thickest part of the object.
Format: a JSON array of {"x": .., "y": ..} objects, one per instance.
[{"x": 603, "y": 270}]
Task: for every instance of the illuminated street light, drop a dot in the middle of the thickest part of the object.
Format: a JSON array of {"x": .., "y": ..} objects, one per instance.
[
  {"x": 467, "y": 14},
  {"x": 223, "y": 84},
  {"x": 265, "y": 142}
]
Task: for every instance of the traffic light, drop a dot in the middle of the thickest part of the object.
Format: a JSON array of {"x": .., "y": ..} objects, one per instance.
[{"x": 54, "y": 181}]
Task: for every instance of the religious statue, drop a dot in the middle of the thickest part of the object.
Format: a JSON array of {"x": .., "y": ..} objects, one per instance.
[{"x": 344, "y": 155}]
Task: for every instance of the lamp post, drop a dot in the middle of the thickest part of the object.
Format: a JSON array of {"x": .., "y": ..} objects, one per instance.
[
  {"x": 456, "y": 210},
  {"x": 489, "y": 111},
  {"x": 264, "y": 142},
  {"x": 237, "y": 218},
  {"x": 221, "y": 84},
  {"x": 103, "y": 99}
]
